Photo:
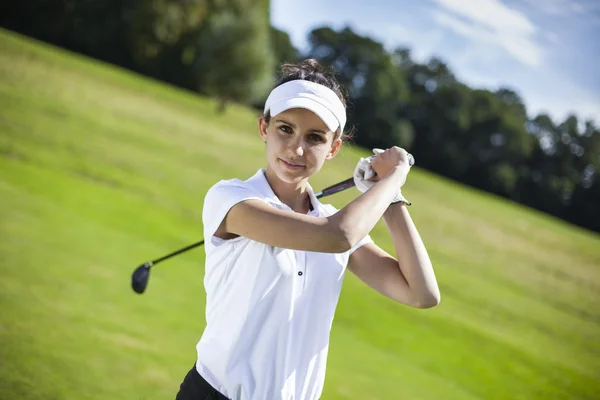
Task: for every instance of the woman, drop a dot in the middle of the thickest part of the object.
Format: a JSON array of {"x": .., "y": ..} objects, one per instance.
[{"x": 276, "y": 256}]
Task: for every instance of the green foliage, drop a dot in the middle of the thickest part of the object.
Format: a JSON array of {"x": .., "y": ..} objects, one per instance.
[
  {"x": 158, "y": 25},
  {"x": 283, "y": 49},
  {"x": 234, "y": 61},
  {"x": 377, "y": 87}
]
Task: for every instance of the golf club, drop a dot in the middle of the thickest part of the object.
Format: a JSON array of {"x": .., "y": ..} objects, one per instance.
[{"x": 139, "y": 278}]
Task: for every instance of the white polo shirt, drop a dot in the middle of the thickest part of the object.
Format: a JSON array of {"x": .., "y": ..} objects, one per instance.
[{"x": 269, "y": 310}]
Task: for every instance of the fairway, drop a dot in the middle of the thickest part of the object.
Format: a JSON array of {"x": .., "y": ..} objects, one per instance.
[{"x": 102, "y": 170}]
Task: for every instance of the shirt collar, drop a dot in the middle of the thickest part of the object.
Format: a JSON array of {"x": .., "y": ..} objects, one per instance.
[{"x": 259, "y": 181}]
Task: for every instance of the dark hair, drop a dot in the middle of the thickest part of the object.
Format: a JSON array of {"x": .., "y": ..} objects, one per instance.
[{"x": 311, "y": 70}]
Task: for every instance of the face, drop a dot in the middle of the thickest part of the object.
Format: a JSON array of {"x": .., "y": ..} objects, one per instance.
[{"x": 298, "y": 143}]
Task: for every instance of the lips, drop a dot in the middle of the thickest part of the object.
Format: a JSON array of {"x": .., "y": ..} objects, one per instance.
[{"x": 290, "y": 165}]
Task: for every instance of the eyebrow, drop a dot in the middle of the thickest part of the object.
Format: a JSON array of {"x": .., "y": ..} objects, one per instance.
[{"x": 294, "y": 126}]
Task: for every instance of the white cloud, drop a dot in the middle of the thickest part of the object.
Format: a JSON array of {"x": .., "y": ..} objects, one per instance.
[
  {"x": 492, "y": 23},
  {"x": 491, "y": 13},
  {"x": 561, "y": 7}
]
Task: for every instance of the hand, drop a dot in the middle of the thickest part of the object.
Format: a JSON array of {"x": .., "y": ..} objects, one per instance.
[
  {"x": 365, "y": 176},
  {"x": 392, "y": 159}
]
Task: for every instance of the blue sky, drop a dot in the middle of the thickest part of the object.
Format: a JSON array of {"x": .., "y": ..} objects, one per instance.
[{"x": 548, "y": 51}]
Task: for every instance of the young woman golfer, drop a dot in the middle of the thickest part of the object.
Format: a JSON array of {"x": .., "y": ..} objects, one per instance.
[{"x": 276, "y": 257}]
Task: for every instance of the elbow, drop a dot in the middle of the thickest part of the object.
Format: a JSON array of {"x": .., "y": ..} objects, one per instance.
[
  {"x": 349, "y": 239},
  {"x": 429, "y": 301},
  {"x": 341, "y": 238},
  {"x": 334, "y": 240},
  {"x": 342, "y": 243}
]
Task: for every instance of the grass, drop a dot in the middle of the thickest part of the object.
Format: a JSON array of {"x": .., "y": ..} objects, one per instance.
[{"x": 101, "y": 170}]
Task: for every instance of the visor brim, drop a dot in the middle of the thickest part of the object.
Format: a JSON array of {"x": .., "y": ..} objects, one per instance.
[{"x": 320, "y": 110}]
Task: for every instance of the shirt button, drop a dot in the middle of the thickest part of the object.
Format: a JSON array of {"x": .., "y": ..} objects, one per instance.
[{"x": 299, "y": 273}]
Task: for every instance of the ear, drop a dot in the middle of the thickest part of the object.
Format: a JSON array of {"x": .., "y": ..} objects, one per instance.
[
  {"x": 262, "y": 128},
  {"x": 335, "y": 148}
]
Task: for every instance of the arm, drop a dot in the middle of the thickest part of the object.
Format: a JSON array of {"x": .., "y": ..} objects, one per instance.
[
  {"x": 335, "y": 234},
  {"x": 410, "y": 279}
]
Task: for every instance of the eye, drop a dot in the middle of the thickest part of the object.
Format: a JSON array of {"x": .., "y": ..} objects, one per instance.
[
  {"x": 316, "y": 138},
  {"x": 286, "y": 129}
]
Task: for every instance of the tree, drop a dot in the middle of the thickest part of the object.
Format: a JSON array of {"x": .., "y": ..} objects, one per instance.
[
  {"x": 283, "y": 49},
  {"x": 284, "y": 52},
  {"x": 376, "y": 85},
  {"x": 235, "y": 60},
  {"x": 96, "y": 29},
  {"x": 156, "y": 31},
  {"x": 441, "y": 120},
  {"x": 500, "y": 142},
  {"x": 579, "y": 165}
]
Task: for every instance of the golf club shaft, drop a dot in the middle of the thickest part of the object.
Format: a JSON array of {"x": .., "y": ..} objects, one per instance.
[
  {"x": 328, "y": 191},
  {"x": 191, "y": 246}
]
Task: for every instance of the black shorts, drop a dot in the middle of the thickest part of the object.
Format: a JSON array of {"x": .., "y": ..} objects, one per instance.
[{"x": 194, "y": 387}]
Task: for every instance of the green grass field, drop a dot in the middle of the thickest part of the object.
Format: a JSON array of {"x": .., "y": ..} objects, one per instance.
[{"x": 101, "y": 170}]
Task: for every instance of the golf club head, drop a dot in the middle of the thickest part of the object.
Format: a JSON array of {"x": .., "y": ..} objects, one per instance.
[{"x": 139, "y": 278}]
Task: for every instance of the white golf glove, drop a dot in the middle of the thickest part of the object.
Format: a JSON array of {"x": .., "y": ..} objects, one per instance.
[{"x": 363, "y": 172}]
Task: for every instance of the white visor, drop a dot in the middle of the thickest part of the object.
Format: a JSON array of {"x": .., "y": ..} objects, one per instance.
[{"x": 309, "y": 95}]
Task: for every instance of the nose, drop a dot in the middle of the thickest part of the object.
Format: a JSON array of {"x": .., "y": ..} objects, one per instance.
[{"x": 297, "y": 148}]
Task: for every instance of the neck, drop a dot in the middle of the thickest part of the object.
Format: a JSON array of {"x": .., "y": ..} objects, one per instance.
[{"x": 294, "y": 195}]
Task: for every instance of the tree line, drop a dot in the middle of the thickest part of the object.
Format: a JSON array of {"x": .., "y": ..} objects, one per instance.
[{"x": 228, "y": 50}]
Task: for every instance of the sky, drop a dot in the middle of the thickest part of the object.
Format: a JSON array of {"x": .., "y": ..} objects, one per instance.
[{"x": 548, "y": 51}]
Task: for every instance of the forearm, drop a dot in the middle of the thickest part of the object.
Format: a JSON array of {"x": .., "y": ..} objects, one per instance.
[
  {"x": 361, "y": 215},
  {"x": 412, "y": 256}
]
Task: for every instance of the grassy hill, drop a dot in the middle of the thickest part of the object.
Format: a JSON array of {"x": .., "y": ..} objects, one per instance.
[{"x": 101, "y": 170}]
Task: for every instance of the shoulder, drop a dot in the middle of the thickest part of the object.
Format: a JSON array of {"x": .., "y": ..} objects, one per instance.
[
  {"x": 228, "y": 192},
  {"x": 225, "y": 188},
  {"x": 227, "y": 185},
  {"x": 221, "y": 197},
  {"x": 225, "y": 194}
]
